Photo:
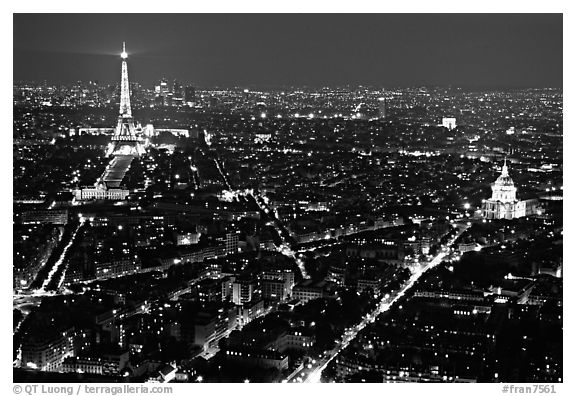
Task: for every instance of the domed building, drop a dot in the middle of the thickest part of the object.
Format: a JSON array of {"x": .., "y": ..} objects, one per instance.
[{"x": 503, "y": 204}]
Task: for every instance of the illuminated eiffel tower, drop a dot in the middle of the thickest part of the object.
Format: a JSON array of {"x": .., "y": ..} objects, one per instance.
[{"x": 126, "y": 140}]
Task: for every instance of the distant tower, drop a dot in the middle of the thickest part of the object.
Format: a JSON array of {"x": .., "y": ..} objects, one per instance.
[
  {"x": 503, "y": 204},
  {"x": 382, "y": 108},
  {"x": 177, "y": 89},
  {"x": 125, "y": 140},
  {"x": 125, "y": 109},
  {"x": 189, "y": 95}
]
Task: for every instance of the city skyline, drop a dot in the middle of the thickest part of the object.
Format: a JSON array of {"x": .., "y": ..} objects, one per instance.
[
  {"x": 177, "y": 234},
  {"x": 486, "y": 51}
]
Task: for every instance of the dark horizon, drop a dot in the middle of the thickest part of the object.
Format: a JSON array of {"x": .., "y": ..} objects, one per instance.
[{"x": 469, "y": 51}]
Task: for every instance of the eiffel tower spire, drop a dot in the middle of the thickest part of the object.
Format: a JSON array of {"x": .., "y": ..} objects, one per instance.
[
  {"x": 125, "y": 109},
  {"x": 126, "y": 140}
]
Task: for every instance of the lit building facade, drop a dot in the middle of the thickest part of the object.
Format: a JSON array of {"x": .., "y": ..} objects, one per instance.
[
  {"x": 47, "y": 352},
  {"x": 100, "y": 192},
  {"x": 242, "y": 291},
  {"x": 232, "y": 243},
  {"x": 449, "y": 123},
  {"x": 503, "y": 204}
]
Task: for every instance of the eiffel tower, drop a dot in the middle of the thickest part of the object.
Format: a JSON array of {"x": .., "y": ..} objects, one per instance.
[{"x": 125, "y": 141}]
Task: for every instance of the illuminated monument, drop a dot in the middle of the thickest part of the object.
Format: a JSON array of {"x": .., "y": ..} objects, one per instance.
[
  {"x": 503, "y": 204},
  {"x": 125, "y": 145},
  {"x": 125, "y": 141}
]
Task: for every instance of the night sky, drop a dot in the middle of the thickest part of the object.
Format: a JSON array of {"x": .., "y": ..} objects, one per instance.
[{"x": 268, "y": 50}]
